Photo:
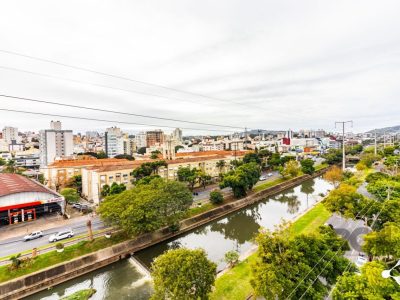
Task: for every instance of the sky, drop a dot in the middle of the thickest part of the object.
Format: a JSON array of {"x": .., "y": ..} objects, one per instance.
[{"x": 256, "y": 64}]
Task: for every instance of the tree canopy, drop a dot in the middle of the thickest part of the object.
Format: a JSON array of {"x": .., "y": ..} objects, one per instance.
[
  {"x": 307, "y": 166},
  {"x": 147, "y": 207},
  {"x": 290, "y": 169},
  {"x": 183, "y": 274},
  {"x": 71, "y": 195},
  {"x": 148, "y": 168},
  {"x": 242, "y": 179}
]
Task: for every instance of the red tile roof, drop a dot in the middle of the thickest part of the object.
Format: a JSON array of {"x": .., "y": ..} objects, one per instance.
[{"x": 14, "y": 183}]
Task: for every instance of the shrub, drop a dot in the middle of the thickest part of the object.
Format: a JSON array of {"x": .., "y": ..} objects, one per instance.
[
  {"x": 59, "y": 246},
  {"x": 216, "y": 197}
]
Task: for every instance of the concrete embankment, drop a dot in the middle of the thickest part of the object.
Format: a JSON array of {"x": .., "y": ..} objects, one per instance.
[{"x": 35, "y": 282}]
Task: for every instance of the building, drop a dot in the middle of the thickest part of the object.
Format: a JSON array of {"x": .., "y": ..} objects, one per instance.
[
  {"x": 22, "y": 199},
  {"x": 114, "y": 144},
  {"x": 15, "y": 147},
  {"x": 140, "y": 140},
  {"x": 55, "y": 143},
  {"x": 28, "y": 159},
  {"x": 154, "y": 137},
  {"x": 10, "y": 134},
  {"x": 177, "y": 135}
]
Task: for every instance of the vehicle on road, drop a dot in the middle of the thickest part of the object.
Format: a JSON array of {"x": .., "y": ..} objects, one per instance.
[
  {"x": 80, "y": 206},
  {"x": 270, "y": 174},
  {"x": 361, "y": 260},
  {"x": 65, "y": 234},
  {"x": 33, "y": 235},
  {"x": 262, "y": 178}
]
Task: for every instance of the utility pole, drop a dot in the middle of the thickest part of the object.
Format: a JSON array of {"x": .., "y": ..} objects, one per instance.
[
  {"x": 343, "y": 123},
  {"x": 245, "y": 140}
]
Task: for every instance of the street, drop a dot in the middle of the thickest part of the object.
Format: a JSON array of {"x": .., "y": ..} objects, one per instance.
[{"x": 16, "y": 244}]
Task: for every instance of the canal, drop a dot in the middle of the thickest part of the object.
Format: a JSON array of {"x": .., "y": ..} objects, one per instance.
[{"x": 236, "y": 231}]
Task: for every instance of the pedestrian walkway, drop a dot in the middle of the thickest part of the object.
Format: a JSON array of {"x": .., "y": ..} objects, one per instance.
[{"x": 43, "y": 223}]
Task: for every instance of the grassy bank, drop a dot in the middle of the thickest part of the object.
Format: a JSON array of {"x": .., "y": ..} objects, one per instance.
[
  {"x": 81, "y": 295},
  {"x": 235, "y": 284},
  {"x": 52, "y": 258}
]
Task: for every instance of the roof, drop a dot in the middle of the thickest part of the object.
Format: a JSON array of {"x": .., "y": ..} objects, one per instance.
[
  {"x": 14, "y": 183},
  {"x": 86, "y": 162},
  {"x": 211, "y": 153}
]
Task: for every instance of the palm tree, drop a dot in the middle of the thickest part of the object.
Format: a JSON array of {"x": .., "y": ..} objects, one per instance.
[{"x": 15, "y": 260}]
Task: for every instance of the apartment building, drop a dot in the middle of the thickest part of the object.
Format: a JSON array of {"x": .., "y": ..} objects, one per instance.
[
  {"x": 154, "y": 137},
  {"x": 55, "y": 143},
  {"x": 10, "y": 134}
]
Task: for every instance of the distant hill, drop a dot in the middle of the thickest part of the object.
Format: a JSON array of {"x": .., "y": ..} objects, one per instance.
[{"x": 393, "y": 129}]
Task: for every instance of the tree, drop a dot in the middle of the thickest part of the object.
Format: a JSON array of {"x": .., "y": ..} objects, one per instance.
[
  {"x": 384, "y": 243},
  {"x": 71, "y": 195},
  {"x": 307, "y": 166},
  {"x": 220, "y": 165},
  {"x": 242, "y": 179},
  {"x": 101, "y": 155},
  {"x": 231, "y": 258},
  {"x": 385, "y": 189},
  {"x": 251, "y": 157},
  {"x": 75, "y": 182},
  {"x": 291, "y": 267},
  {"x": 392, "y": 164},
  {"x": 178, "y": 147},
  {"x": 191, "y": 176},
  {"x": 155, "y": 154},
  {"x": 183, "y": 274},
  {"x": 2, "y": 162},
  {"x": 10, "y": 167},
  {"x": 105, "y": 191},
  {"x": 275, "y": 160},
  {"x": 141, "y": 150},
  {"x": 334, "y": 156},
  {"x": 16, "y": 261},
  {"x": 216, "y": 197},
  {"x": 204, "y": 179},
  {"x": 388, "y": 151},
  {"x": 368, "y": 285},
  {"x": 147, "y": 179},
  {"x": 124, "y": 156},
  {"x": 368, "y": 159},
  {"x": 290, "y": 169},
  {"x": 117, "y": 188},
  {"x": 148, "y": 168},
  {"x": 334, "y": 175},
  {"x": 147, "y": 207}
]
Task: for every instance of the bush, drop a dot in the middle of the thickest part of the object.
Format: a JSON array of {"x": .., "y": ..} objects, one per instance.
[
  {"x": 71, "y": 195},
  {"x": 59, "y": 246},
  {"x": 216, "y": 197}
]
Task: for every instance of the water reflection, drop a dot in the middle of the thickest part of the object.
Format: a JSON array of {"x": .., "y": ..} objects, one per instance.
[
  {"x": 289, "y": 197},
  {"x": 308, "y": 188}
]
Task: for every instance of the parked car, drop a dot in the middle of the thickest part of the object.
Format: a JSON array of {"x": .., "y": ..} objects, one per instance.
[
  {"x": 80, "y": 206},
  {"x": 270, "y": 174},
  {"x": 61, "y": 235},
  {"x": 33, "y": 235},
  {"x": 262, "y": 178},
  {"x": 361, "y": 260}
]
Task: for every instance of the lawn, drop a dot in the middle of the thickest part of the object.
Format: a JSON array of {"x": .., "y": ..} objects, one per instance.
[
  {"x": 52, "y": 258},
  {"x": 268, "y": 184},
  {"x": 235, "y": 284}
]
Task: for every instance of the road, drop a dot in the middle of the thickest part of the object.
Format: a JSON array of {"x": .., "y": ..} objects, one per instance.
[
  {"x": 352, "y": 231},
  {"x": 17, "y": 244}
]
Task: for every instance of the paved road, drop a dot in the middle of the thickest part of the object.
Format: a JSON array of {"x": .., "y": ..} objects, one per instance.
[
  {"x": 352, "y": 231},
  {"x": 17, "y": 244}
]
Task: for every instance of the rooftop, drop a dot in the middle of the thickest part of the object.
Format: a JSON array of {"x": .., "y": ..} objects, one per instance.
[{"x": 14, "y": 183}]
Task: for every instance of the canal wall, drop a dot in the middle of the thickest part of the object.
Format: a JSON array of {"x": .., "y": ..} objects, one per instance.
[{"x": 41, "y": 280}]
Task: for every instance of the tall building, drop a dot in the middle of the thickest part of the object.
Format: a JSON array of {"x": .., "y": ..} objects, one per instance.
[
  {"x": 10, "y": 134},
  {"x": 55, "y": 143},
  {"x": 113, "y": 141},
  {"x": 154, "y": 137},
  {"x": 140, "y": 140},
  {"x": 177, "y": 135}
]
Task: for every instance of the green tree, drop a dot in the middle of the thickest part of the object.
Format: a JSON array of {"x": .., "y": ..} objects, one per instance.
[
  {"x": 384, "y": 243},
  {"x": 75, "y": 182},
  {"x": 10, "y": 167},
  {"x": 105, "y": 191},
  {"x": 251, "y": 157},
  {"x": 275, "y": 160},
  {"x": 155, "y": 154},
  {"x": 124, "y": 156},
  {"x": 71, "y": 195},
  {"x": 368, "y": 159},
  {"x": 333, "y": 156},
  {"x": 392, "y": 164},
  {"x": 191, "y": 176},
  {"x": 221, "y": 166},
  {"x": 334, "y": 175},
  {"x": 178, "y": 147},
  {"x": 117, "y": 188},
  {"x": 148, "y": 168},
  {"x": 101, "y": 155},
  {"x": 16, "y": 261},
  {"x": 141, "y": 150},
  {"x": 307, "y": 166},
  {"x": 367, "y": 286},
  {"x": 147, "y": 207},
  {"x": 204, "y": 179},
  {"x": 147, "y": 179},
  {"x": 231, "y": 258},
  {"x": 183, "y": 274},
  {"x": 242, "y": 179},
  {"x": 385, "y": 189},
  {"x": 216, "y": 197},
  {"x": 2, "y": 162},
  {"x": 388, "y": 151},
  {"x": 290, "y": 169},
  {"x": 291, "y": 267}
]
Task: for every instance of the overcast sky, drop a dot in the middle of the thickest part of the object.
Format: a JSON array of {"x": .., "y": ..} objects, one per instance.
[{"x": 261, "y": 64}]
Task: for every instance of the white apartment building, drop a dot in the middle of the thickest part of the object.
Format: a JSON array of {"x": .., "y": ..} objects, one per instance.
[
  {"x": 140, "y": 140},
  {"x": 113, "y": 142},
  {"x": 177, "y": 135},
  {"x": 10, "y": 134},
  {"x": 55, "y": 143}
]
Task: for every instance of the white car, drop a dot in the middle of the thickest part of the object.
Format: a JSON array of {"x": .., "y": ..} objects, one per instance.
[
  {"x": 270, "y": 174},
  {"x": 33, "y": 235},
  {"x": 262, "y": 178},
  {"x": 65, "y": 234},
  {"x": 361, "y": 260}
]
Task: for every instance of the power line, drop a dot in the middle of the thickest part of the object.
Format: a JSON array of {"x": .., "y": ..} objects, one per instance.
[
  {"x": 125, "y": 78},
  {"x": 114, "y": 111},
  {"x": 109, "y": 121}
]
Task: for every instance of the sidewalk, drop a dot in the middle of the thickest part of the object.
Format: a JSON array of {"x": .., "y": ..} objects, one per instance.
[{"x": 43, "y": 223}]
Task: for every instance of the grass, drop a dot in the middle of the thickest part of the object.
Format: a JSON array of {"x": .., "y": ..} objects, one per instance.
[
  {"x": 200, "y": 209},
  {"x": 81, "y": 295},
  {"x": 52, "y": 258},
  {"x": 268, "y": 184},
  {"x": 235, "y": 284},
  {"x": 321, "y": 166}
]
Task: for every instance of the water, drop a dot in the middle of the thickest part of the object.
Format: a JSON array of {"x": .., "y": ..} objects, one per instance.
[{"x": 233, "y": 232}]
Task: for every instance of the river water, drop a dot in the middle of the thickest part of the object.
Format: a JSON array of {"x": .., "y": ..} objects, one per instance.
[{"x": 236, "y": 231}]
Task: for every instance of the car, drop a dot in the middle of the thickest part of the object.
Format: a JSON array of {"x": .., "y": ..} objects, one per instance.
[
  {"x": 80, "y": 206},
  {"x": 33, "y": 235},
  {"x": 361, "y": 260},
  {"x": 270, "y": 174},
  {"x": 65, "y": 234},
  {"x": 262, "y": 178}
]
